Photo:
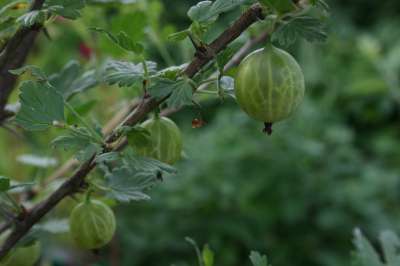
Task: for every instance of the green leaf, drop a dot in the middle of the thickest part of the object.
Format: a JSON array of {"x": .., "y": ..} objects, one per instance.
[
  {"x": 81, "y": 141},
  {"x": 280, "y": 6},
  {"x": 32, "y": 17},
  {"x": 208, "y": 11},
  {"x": 172, "y": 72},
  {"x": 86, "y": 153},
  {"x": 70, "y": 80},
  {"x": 4, "y": 184},
  {"x": 257, "y": 259},
  {"x": 222, "y": 6},
  {"x": 107, "y": 157},
  {"x": 123, "y": 41},
  {"x": 181, "y": 95},
  {"x": 201, "y": 12},
  {"x": 366, "y": 254},
  {"x": 305, "y": 27},
  {"x": 126, "y": 185},
  {"x": 69, "y": 9},
  {"x": 126, "y": 73},
  {"x": 208, "y": 256},
  {"x": 128, "y": 44},
  {"x": 144, "y": 164},
  {"x": 391, "y": 246},
  {"x": 180, "y": 92},
  {"x": 41, "y": 105},
  {"x": 133, "y": 176},
  {"x": 33, "y": 70}
]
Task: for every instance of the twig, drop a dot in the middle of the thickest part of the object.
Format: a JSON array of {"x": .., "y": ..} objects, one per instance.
[
  {"x": 13, "y": 56},
  {"x": 75, "y": 183}
]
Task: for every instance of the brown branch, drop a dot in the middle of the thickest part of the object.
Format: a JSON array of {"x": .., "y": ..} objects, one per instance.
[
  {"x": 75, "y": 183},
  {"x": 13, "y": 56}
]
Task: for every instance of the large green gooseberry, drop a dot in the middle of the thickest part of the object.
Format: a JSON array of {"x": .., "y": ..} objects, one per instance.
[
  {"x": 92, "y": 224},
  {"x": 165, "y": 142},
  {"x": 269, "y": 85}
]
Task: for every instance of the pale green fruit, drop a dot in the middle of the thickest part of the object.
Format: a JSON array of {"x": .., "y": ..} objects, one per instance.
[
  {"x": 23, "y": 256},
  {"x": 269, "y": 85},
  {"x": 92, "y": 224},
  {"x": 165, "y": 140}
]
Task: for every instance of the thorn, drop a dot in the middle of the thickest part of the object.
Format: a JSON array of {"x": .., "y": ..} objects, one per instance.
[{"x": 267, "y": 128}]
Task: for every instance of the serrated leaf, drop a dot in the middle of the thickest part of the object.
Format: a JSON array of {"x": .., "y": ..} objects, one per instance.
[
  {"x": 126, "y": 73},
  {"x": 309, "y": 28},
  {"x": 32, "y": 17},
  {"x": 75, "y": 140},
  {"x": 201, "y": 12},
  {"x": 41, "y": 105},
  {"x": 33, "y": 70},
  {"x": 257, "y": 259},
  {"x": 70, "y": 81},
  {"x": 180, "y": 91},
  {"x": 222, "y": 6},
  {"x": 126, "y": 185},
  {"x": 107, "y": 157},
  {"x": 134, "y": 176},
  {"x": 365, "y": 252},
  {"x": 128, "y": 44},
  {"x": 69, "y": 9},
  {"x": 4, "y": 184},
  {"x": 172, "y": 72},
  {"x": 181, "y": 96},
  {"x": 123, "y": 41},
  {"x": 86, "y": 153},
  {"x": 208, "y": 11},
  {"x": 208, "y": 256},
  {"x": 144, "y": 164},
  {"x": 391, "y": 246},
  {"x": 80, "y": 141}
]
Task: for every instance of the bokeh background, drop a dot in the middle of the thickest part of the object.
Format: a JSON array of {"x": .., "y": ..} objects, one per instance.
[{"x": 296, "y": 195}]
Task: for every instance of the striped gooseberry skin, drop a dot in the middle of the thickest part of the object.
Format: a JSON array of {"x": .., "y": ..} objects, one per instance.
[
  {"x": 166, "y": 140},
  {"x": 92, "y": 224},
  {"x": 269, "y": 85}
]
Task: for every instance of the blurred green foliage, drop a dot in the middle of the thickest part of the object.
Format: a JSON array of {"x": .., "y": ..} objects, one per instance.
[{"x": 296, "y": 195}]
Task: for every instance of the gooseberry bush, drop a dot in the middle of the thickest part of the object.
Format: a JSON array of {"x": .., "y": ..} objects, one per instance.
[{"x": 138, "y": 148}]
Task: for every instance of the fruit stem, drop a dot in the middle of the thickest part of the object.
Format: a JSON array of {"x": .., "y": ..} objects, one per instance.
[{"x": 267, "y": 128}]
